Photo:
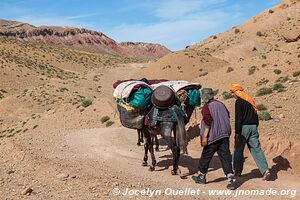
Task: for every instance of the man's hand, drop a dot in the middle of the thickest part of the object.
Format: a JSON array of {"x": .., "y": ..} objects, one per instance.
[
  {"x": 205, "y": 136},
  {"x": 204, "y": 142}
]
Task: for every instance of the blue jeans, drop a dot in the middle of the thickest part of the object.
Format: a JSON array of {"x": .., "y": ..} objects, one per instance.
[{"x": 250, "y": 137}]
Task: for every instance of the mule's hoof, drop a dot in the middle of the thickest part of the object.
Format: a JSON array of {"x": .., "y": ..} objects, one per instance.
[
  {"x": 144, "y": 163},
  {"x": 157, "y": 149},
  {"x": 139, "y": 144},
  {"x": 176, "y": 172},
  {"x": 151, "y": 168}
]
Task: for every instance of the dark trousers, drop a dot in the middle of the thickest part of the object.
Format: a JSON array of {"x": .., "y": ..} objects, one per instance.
[{"x": 222, "y": 148}]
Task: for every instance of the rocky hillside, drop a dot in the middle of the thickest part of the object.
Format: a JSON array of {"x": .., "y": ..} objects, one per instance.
[
  {"x": 42, "y": 83},
  {"x": 263, "y": 55},
  {"x": 80, "y": 39}
]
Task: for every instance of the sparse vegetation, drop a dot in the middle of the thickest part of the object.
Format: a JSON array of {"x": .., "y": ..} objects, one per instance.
[
  {"x": 216, "y": 92},
  {"x": 227, "y": 95},
  {"x": 264, "y": 65},
  {"x": 264, "y": 91},
  {"x": 203, "y": 74},
  {"x": 261, "y": 107},
  {"x": 104, "y": 119},
  {"x": 251, "y": 70},
  {"x": 277, "y": 71},
  {"x": 166, "y": 67},
  {"x": 296, "y": 73},
  {"x": 35, "y": 126},
  {"x": 278, "y": 87},
  {"x": 1, "y": 93},
  {"x": 11, "y": 170},
  {"x": 258, "y": 33},
  {"x": 229, "y": 69},
  {"x": 236, "y": 31},
  {"x": 86, "y": 102},
  {"x": 63, "y": 89},
  {"x": 271, "y": 11},
  {"x": 109, "y": 123},
  {"x": 96, "y": 78},
  {"x": 264, "y": 115},
  {"x": 282, "y": 79},
  {"x": 263, "y": 81}
]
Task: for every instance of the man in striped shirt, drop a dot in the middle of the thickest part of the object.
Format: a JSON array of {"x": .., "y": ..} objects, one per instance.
[{"x": 215, "y": 132}]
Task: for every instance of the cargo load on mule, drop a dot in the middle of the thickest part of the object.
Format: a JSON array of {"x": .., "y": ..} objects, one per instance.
[
  {"x": 133, "y": 99},
  {"x": 162, "y": 108},
  {"x": 187, "y": 93}
]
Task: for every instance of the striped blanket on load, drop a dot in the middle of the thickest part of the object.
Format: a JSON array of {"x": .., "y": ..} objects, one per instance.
[
  {"x": 124, "y": 89},
  {"x": 178, "y": 85}
]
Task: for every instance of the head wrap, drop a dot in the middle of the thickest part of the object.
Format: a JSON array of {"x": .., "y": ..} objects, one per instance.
[
  {"x": 239, "y": 91},
  {"x": 207, "y": 94}
]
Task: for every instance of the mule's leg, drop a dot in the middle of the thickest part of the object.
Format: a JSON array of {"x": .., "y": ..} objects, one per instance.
[
  {"x": 146, "y": 147},
  {"x": 151, "y": 149},
  {"x": 156, "y": 143},
  {"x": 176, "y": 155},
  {"x": 145, "y": 163},
  {"x": 140, "y": 137}
]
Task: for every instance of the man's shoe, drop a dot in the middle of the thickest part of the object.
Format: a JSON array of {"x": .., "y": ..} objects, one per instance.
[
  {"x": 266, "y": 175},
  {"x": 237, "y": 173},
  {"x": 230, "y": 185},
  {"x": 199, "y": 179}
]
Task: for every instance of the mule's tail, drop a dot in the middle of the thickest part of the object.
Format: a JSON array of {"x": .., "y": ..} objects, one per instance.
[{"x": 181, "y": 140}]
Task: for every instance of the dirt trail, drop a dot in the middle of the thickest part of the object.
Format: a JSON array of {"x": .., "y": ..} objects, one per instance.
[{"x": 90, "y": 163}]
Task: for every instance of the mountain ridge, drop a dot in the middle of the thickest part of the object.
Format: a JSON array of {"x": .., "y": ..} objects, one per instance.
[{"x": 80, "y": 39}]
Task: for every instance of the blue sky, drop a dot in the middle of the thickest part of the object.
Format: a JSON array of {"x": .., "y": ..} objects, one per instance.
[{"x": 173, "y": 23}]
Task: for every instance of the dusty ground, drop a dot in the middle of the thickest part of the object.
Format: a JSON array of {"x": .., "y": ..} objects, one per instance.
[{"x": 90, "y": 163}]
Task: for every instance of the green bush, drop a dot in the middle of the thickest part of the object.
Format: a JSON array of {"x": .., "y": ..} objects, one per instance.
[
  {"x": 229, "y": 69},
  {"x": 251, "y": 70},
  {"x": 263, "y": 81},
  {"x": 258, "y": 33},
  {"x": 105, "y": 119},
  {"x": 227, "y": 95},
  {"x": 203, "y": 74},
  {"x": 109, "y": 123},
  {"x": 282, "y": 79},
  {"x": 297, "y": 73},
  {"x": 216, "y": 92},
  {"x": 11, "y": 170},
  {"x": 261, "y": 107},
  {"x": 263, "y": 91},
  {"x": 278, "y": 87},
  {"x": 86, "y": 102},
  {"x": 264, "y": 115},
  {"x": 277, "y": 71}
]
